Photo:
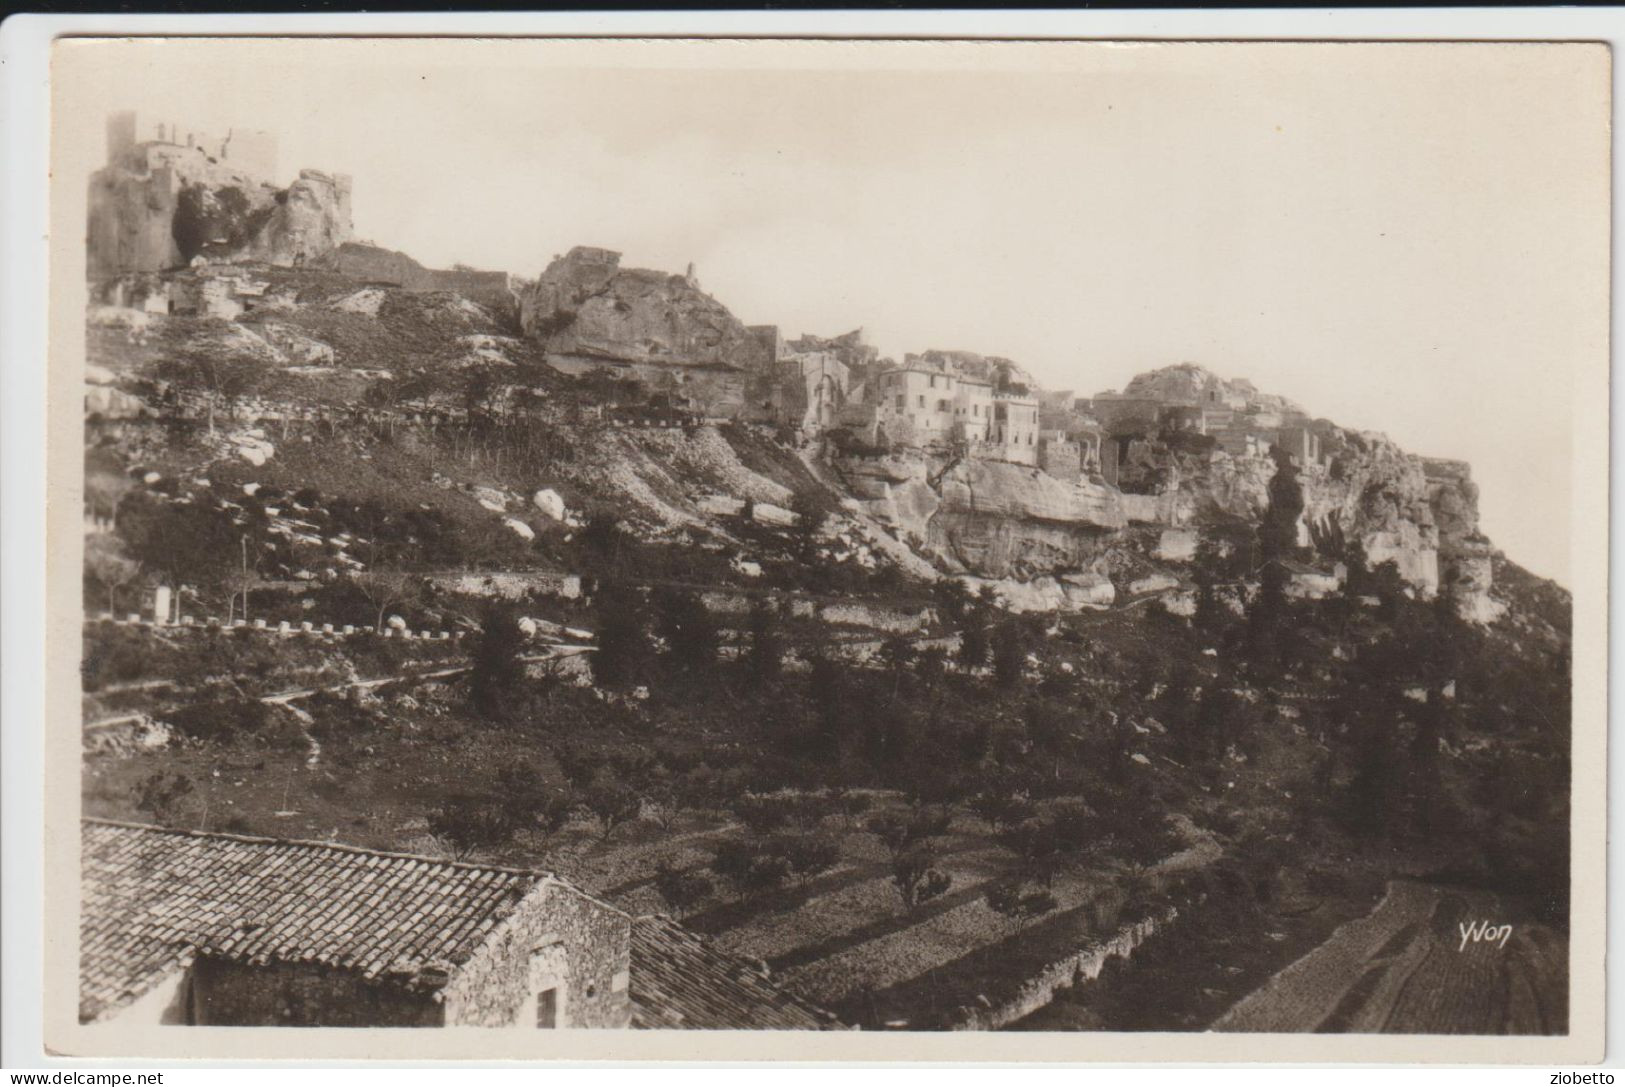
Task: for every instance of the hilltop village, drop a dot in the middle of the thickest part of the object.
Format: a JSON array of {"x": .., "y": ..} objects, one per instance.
[
  {"x": 187, "y": 224},
  {"x": 613, "y": 662}
]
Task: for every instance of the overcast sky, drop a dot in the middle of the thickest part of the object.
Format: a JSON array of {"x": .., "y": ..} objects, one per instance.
[{"x": 1401, "y": 238}]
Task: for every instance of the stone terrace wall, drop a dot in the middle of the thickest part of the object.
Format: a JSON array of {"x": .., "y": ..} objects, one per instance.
[{"x": 1085, "y": 965}]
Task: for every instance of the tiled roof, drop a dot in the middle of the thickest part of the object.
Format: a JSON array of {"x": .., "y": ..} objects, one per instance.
[
  {"x": 154, "y": 898},
  {"x": 679, "y": 981}
]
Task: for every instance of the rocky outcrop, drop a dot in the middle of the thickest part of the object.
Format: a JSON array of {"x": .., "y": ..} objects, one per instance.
[
  {"x": 586, "y": 304},
  {"x": 1465, "y": 555},
  {"x": 161, "y": 206},
  {"x": 987, "y": 518},
  {"x": 375, "y": 264}
]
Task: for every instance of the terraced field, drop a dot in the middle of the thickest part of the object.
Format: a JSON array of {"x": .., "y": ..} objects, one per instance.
[
  {"x": 842, "y": 939},
  {"x": 1404, "y": 968}
]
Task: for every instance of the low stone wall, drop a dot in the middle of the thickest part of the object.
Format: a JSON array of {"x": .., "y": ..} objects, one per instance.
[
  {"x": 888, "y": 620},
  {"x": 510, "y": 584},
  {"x": 1084, "y": 965},
  {"x": 284, "y": 627}
]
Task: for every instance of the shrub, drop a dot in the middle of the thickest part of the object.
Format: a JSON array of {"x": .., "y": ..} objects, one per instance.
[
  {"x": 678, "y": 888},
  {"x": 916, "y": 877},
  {"x": 1011, "y": 899},
  {"x": 750, "y": 865},
  {"x": 496, "y": 672},
  {"x": 467, "y": 822},
  {"x": 807, "y": 854},
  {"x": 613, "y": 804},
  {"x": 160, "y": 795},
  {"x": 222, "y": 721}
]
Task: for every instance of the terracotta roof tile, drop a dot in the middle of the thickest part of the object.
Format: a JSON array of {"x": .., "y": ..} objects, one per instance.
[{"x": 680, "y": 981}]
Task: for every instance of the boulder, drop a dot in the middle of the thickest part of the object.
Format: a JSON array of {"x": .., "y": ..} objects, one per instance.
[{"x": 549, "y": 502}]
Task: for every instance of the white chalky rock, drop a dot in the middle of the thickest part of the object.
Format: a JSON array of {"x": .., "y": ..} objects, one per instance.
[
  {"x": 251, "y": 489},
  {"x": 769, "y": 514},
  {"x": 151, "y": 478},
  {"x": 397, "y": 623},
  {"x": 549, "y": 502},
  {"x": 525, "y": 531},
  {"x": 1141, "y": 759}
]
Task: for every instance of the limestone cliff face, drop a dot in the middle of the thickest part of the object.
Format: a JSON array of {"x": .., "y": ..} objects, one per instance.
[
  {"x": 163, "y": 205},
  {"x": 310, "y": 218},
  {"x": 1051, "y": 543},
  {"x": 585, "y": 303},
  {"x": 989, "y": 518}
]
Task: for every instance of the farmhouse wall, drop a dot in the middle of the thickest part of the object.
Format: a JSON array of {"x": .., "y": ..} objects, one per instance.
[
  {"x": 596, "y": 941},
  {"x": 231, "y": 994}
]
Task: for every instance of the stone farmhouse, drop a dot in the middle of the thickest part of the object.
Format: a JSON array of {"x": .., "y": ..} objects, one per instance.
[{"x": 202, "y": 929}]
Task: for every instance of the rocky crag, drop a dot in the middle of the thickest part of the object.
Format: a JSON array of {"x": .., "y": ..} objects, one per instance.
[
  {"x": 586, "y": 305},
  {"x": 160, "y": 206}
]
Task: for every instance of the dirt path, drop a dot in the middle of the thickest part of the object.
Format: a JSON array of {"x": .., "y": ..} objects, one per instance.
[{"x": 1409, "y": 967}]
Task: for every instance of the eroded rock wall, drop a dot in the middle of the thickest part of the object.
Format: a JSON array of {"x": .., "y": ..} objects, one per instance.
[{"x": 585, "y": 303}]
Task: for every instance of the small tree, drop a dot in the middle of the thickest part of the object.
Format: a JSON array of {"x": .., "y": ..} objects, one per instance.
[
  {"x": 603, "y": 536},
  {"x": 160, "y": 794},
  {"x": 470, "y": 822},
  {"x": 678, "y": 888},
  {"x": 897, "y": 653},
  {"x": 496, "y": 671},
  {"x": 532, "y": 801},
  {"x": 109, "y": 567},
  {"x": 180, "y": 543},
  {"x": 974, "y": 643},
  {"x": 808, "y": 855},
  {"x": 382, "y": 589},
  {"x": 1011, "y": 899},
  {"x": 811, "y": 510},
  {"x": 751, "y": 866},
  {"x": 1009, "y": 655},
  {"x": 224, "y": 376},
  {"x": 764, "y": 658},
  {"x": 106, "y": 484},
  {"x": 1000, "y": 806},
  {"x": 916, "y": 877},
  {"x": 623, "y": 652},
  {"x": 690, "y": 633},
  {"x": 613, "y": 804}
]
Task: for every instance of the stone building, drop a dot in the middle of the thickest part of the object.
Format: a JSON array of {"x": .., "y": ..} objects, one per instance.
[
  {"x": 1059, "y": 455},
  {"x": 1300, "y": 443},
  {"x": 973, "y": 409},
  {"x": 1014, "y": 434},
  {"x": 921, "y": 397},
  {"x": 200, "y": 929},
  {"x": 252, "y": 151}
]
